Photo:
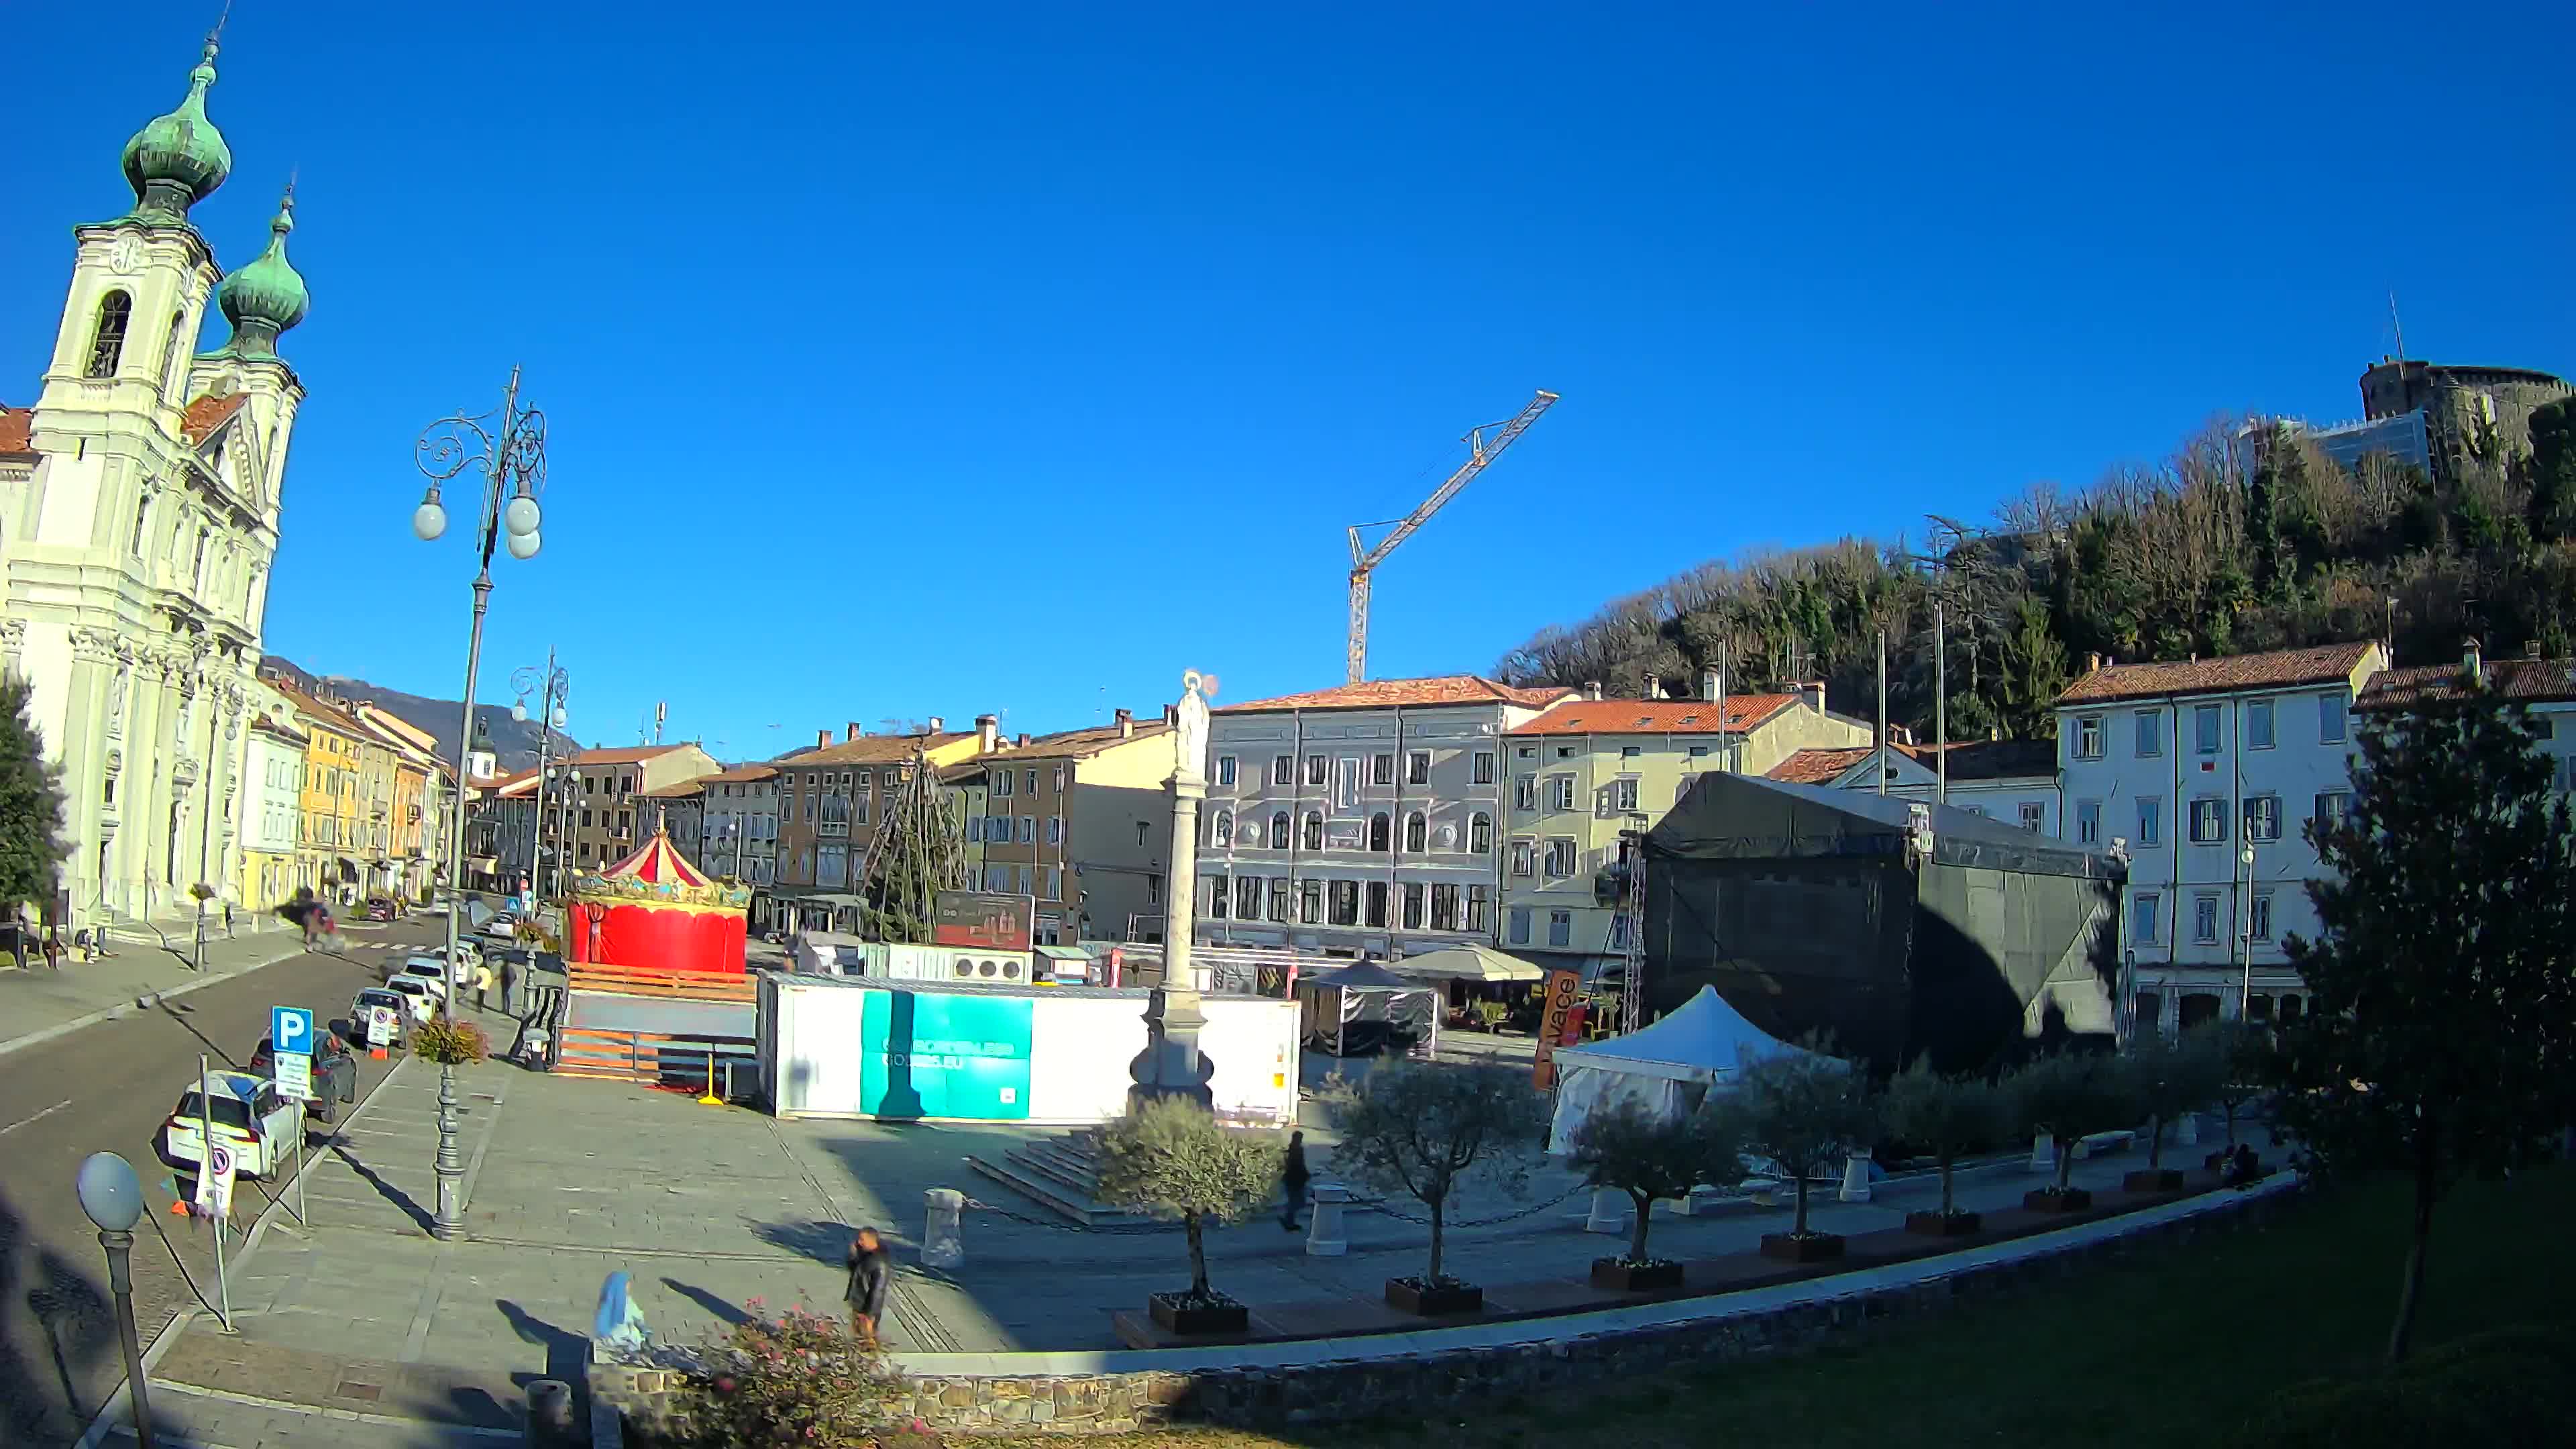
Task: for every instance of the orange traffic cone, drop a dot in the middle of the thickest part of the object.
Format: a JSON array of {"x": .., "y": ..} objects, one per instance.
[{"x": 179, "y": 1208}]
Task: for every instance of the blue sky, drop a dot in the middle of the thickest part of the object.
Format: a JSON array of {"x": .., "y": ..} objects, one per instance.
[{"x": 941, "y": 359}]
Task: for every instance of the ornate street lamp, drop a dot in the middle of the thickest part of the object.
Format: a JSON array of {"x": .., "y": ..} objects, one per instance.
[
  {"x": 552, "y": 686},
  {"x": 508, "y": 449},
  {"x": 113, "y": 1198}
]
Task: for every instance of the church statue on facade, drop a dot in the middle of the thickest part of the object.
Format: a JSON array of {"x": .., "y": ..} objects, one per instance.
[{"x": 139, "y": 512}]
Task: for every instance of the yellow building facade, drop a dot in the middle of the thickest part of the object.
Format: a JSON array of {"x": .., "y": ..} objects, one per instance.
[{"x": 1590, "y": 769}]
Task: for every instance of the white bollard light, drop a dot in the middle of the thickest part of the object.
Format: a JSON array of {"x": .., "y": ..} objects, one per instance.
[
  {"x": 1609, "y": 1211},
  {"x": 2043, "y": 1154},
  {"x": 1856, "y": 1177},
  {"x": 1325, "y": 1237},
  {"x": 943, "y": 1237}
]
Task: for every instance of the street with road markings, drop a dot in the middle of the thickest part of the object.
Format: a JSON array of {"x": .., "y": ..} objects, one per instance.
[{"x": 109, "y": 1086}]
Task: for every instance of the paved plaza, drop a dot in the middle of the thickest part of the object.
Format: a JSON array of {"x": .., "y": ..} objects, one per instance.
[{"x": 707, "y": 1208}]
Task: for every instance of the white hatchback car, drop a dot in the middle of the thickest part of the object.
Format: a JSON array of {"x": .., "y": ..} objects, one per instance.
[
  {"x": 422, "y": 993},
  {"x": 249, "y": 1117}
]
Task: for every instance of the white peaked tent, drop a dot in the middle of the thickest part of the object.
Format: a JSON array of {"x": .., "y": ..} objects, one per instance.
[{"x": 1669, "y": 1066}]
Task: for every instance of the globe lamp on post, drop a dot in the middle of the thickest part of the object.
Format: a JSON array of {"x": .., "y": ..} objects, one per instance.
[{"x": 112, "y": 1196}]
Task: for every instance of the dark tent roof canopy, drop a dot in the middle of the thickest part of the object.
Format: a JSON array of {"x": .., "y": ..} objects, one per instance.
[
  {"x": 1365, "y": 976},
  {"x": 1748, "y": 817}
]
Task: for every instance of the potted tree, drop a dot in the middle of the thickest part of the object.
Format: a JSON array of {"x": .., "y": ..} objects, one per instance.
[
  {"x": 1651, "y": 1157},
  {"x": 2240, "y": 1063},
  {"x": 1805, "y": 1113},
  {"x": 2070, "y": 1096},
  {"x": 2171, "y": 1076},
  {"x": 1945, "y": 1117},
  {"x": 1173, "y": 1160},
  {"x": 1427, "y": 1131}
]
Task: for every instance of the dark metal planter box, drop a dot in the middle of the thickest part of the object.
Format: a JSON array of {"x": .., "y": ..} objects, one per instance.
[
  {"x": 1940, "y": 1225},
  {"x": 2050, "y": 1200},
  {"x": 1197, "y": 1318},
  {"x": 2153, "y": 1179},
  {"x": 1434, "y": 1302},
  {"x": 1620, "y": 1277},
  {"x": 1813, "y": 1248}
]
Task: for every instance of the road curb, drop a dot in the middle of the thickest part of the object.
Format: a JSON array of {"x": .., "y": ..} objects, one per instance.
[
  {"x": 119, "y": 1405},
  {"x": 144, "y": 1002}
]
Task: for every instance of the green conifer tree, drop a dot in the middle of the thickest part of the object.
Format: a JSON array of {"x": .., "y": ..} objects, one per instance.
[{"x": 31, "y": 804}]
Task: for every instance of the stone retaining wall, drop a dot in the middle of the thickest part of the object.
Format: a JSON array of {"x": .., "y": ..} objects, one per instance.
[{"x": 1412, "y": 1385}]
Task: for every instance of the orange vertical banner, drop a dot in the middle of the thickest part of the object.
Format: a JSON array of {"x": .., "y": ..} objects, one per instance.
[{"x": 1564, "y": 988}]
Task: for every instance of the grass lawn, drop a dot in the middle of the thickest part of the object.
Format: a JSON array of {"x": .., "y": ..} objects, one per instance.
[{"x": 2159, "y": 1349}]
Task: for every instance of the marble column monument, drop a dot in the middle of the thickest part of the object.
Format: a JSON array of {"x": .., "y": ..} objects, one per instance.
[{"x": 1171, "y": 1065}]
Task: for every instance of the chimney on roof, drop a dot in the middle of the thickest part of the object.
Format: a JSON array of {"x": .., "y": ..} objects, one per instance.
[
  {"x": 938, "y": 724},
  {"x": 1126, "y": 724},
  {"x": 1710, "y": 685},
  {"x": 1654, "y": 686},
  {"x": 853, "y": 734},
  {"x": 1814, "y": 695},
  {"x": 822, "y": 739},
  {"x": 988, "y": 733},
  {"x": 1024, "y": 739},
  {"x": 1172, "y": 715},
  {"x": 2093, "y": 662},
  {"x": 2473, "y": 662},
  {"x": 1592, "y": 689},
  {"x": 2531, "y": 649}
]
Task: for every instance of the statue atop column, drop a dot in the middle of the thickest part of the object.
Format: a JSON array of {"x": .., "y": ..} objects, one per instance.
[{"x": 1171, "y": 1064}]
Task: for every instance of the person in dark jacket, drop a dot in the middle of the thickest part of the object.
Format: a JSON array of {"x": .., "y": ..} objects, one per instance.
[
  {"x": 1293, "y": 1178},
  {"x": 871, "y": 1279}
]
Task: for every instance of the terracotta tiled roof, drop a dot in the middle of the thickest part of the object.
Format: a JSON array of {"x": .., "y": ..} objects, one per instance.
[
  {"x": 1388, "y": 693},
  {"x": 2279, "y": 669},
  {"x": 1081, "y": 744},
  {"x": 963, "y": 771},
  {"x": 2532, "y": 681},
  {"x": 209, "y": 413},
  {"x": 1655, "y": 717},
  {"x": 872, "y": 750},
  {"x": 627, "y": 755},
  {"x": 1823, "y": 767},
  {"x": 15, "y": 424},
  {"x": 331, "y": 716},
  {"x": 680, "y": 791},
  {"x": 741, "y": 774}
]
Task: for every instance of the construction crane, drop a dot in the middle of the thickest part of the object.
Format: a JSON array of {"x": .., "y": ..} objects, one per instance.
[{"x": 1480, "y": 452}]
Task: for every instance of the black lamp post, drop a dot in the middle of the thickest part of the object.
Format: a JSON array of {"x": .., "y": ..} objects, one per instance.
[{"x": 113, "y": 1198}]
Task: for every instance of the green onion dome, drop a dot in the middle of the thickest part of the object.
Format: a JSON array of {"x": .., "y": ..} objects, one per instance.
[
  {"x": 266, "y": 297},
  {"x": 179, "y": 159}
]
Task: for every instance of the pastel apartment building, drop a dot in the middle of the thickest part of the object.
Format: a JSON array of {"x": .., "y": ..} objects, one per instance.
[
  {"x": 2014, "y": 781},
  {"x": 1081, "y": 822},
  {"x": 1589, "y": 770},
  {"x": 831, "y": 799},
  {"x": 2207, "y": 771},
  {"x": 1366, "y": 819}
]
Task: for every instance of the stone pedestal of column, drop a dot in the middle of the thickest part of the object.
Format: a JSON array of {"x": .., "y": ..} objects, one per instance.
[
  {"x": 943, "y": 1238},
  {"x": 1324, "y": 1235},
  {"x": 2043, "y": 1154},
  {"x": 1856, "y": 1178},
  {"x": 1609, "y": 1211}
]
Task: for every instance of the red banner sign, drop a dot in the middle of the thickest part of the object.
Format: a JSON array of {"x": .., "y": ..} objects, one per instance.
[
  {"x": 985, "y": 922},
  {"x": 1564, "y": 993}
]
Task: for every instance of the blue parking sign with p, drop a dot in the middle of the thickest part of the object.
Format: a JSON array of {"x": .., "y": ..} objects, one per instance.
[{"x": 290, "y": 1030}]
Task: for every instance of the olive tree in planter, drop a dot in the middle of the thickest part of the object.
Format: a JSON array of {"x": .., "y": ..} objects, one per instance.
[
  {"x": 1173, "y": 1160},
  {"x": 2240, "y": 1067},
  {"x": 1651, "y": 1157},
  {"x": 1945, "y": 1118},
  {"x": 1805, "y": 1113},
  {"x": 1428, "y": 1131},
  {"x": 2172, "y": 1076},
  {"x": 2071, "y": 1096}
]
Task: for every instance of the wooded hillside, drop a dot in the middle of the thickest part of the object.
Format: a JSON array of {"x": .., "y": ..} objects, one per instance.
[{"x": 2244, "y": 540}]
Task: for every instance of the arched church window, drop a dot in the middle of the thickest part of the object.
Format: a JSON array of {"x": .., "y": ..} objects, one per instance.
[
  {"x": 1278, "y": 830},
  {"x": 170, "y": 355},
  {"x": 107, "y": 342},
  {"x": 1417, "y": 831},
  {"x": 1313, "y": 830},
  {"x": 1377, "y": 836}
]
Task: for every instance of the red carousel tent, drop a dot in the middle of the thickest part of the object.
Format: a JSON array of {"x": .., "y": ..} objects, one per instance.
[{"x": 654, "y": 911}]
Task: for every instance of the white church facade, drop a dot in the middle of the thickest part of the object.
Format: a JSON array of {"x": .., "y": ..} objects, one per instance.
[{"x": 139, "y": 510}]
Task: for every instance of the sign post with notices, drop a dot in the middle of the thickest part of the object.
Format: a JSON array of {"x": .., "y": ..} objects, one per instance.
[
  {"x": 290, "y": 1040},
  {"x": 1564, "y": 991},
  {"x": 380, "y": 1026}
]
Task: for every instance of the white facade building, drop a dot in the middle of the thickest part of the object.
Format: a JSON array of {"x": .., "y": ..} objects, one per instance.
[
  {"x": 1345, "y": 821},
  {"x": 139, "y": 505},
  {"x": 269, "y": 827},
  {"x": 739, "y": 824},
  {"x": 2014, "y": 781},
  {"x": 2208, "y": 771}
]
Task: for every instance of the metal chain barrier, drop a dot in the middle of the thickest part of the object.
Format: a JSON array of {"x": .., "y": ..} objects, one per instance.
[{"x": 1381, "y": 1204}]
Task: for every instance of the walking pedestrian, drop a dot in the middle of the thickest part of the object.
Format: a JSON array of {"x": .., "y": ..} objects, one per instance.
[
  {"x": 228, "y": 920},
  {"x": 1293, "y": 1178},
  {"x": 54, "y": 947},
  {"x": 871, "y": 1278},
  {"x": 510, "y": 987},
  {"x": 482, "y": 985}
]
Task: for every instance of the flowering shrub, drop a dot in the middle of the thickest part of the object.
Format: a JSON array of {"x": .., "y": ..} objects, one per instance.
[
  {"x": 801, "y": 1378},
  {"x": 449, "y": 1042}
]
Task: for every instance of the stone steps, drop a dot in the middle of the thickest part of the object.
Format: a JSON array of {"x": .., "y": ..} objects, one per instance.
[{"x": 1060, "y": 1174}]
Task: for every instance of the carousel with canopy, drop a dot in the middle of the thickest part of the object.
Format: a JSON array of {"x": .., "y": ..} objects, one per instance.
[{"x": 654, "y": 911}]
